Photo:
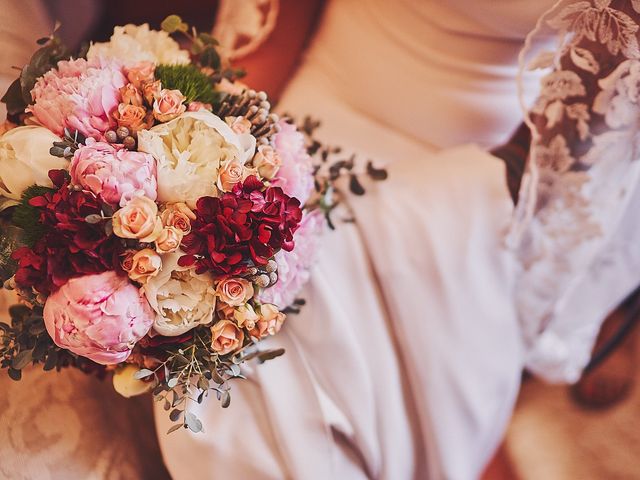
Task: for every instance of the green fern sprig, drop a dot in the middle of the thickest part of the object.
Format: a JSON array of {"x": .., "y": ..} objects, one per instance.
[{"x": 192, "y": 83}]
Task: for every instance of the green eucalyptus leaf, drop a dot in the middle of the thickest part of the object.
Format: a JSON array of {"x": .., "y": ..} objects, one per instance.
[
  {"x": 14, "y": 374},
  {"x": 22, "y": 359},
  {"x": 270, "y": 354},
  {"x": 175, "y": 414},
  {"x": 173, "y": 23},
  {"x": 172, "y": 382},
  {"x": 174, "y": 428},
  {"x": 143, "y": 373}
]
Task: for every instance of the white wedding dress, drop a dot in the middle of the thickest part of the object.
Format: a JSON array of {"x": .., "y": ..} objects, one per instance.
[{"x": 406, "y": 360}]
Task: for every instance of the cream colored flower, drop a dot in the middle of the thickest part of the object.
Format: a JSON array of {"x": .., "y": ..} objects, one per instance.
[
  {"x": 25, "y": 160},
  {"x": 181, "y": 298},
  {"x": 267, "y": 161},
  {"x": 189, "y": 150},
  {"x": 234, "y": 291},
  {"x": 246, "y": 316},
  {"x": 169, "y": 240},
  {"x": 144, "y": 264},
  {"x": 138, "y": 219},
  {"x": 231, "y": 173},
  {"x": 133, "y": 44},
  {"x": 226, "y": 337},
  {"x": 269, "y": 322}
]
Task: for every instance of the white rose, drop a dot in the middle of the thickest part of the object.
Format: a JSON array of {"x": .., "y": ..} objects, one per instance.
[
  {"x": 126, "y": 385},
  {"x": 132, "y": 44},
  {"x": 189, "y": 151},
  {"x": 181, "y": 298},
  {"x": 25, "y": 160}
]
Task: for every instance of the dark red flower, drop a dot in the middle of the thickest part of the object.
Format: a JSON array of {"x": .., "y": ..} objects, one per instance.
[
  {"x": 242, "y": 228},
  {"x": 70, "y": 246}
]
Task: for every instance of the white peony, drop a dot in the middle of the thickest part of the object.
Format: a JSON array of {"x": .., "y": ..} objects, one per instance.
[
  {"x": 189, "y": 151},
  {"x": 25, "y": 160},
  {"x": 133, "y": 44},
  {"x": 181, "y": 298}
]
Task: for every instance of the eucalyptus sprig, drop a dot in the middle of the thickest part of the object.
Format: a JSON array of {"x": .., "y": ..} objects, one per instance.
[
  {"x": 330, "y": 165},
  {"x": 203, "y": 48},
  {"x": 194, "y": 370}
]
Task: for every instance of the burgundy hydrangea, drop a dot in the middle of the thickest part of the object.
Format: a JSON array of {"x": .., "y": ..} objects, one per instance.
[
  {"x": 70, "y": 246},
  {"x": 242, "y": 228}
]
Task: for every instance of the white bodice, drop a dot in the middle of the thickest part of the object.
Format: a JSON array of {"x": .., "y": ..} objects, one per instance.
[{"x": 443, "y": 73}]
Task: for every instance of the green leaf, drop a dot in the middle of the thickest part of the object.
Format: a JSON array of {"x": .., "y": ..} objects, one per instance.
[
  {"x": 270, "y": 355},
  {"x": 174, "y": 428},
  {"x": 27, "y": 217},
  {"x": 13, "y": 98},
  {"x": 51, "y": 361},
  {"x": 93, "y": 218},
  {"x": 225, "y": 399},
  {"x": 210, "y": 58},
  {"x": 192, "y": 422},
  {"x": 143, "y": 373},
  {"x": 175, "y": 414},
  {"x": 22, "y": 359},
  {"x": 172, "y": 382},
  {"x": 173, "y": 23}
]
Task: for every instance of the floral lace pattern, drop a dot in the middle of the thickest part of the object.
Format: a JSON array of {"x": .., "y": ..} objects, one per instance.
[{"x": 583, "y": 166}]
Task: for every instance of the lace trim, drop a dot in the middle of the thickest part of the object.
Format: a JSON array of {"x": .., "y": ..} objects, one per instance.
[{"x": 582, "y": 168}]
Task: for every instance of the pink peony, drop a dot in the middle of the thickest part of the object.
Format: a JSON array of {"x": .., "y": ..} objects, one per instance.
[
  {"x": 295, "y": 175},
  {"x": 100, "y": 317},
  {"x": 115, "y": 174},
  {"x": 78, "y": 95},
  {"x": 293, "y": 267}
]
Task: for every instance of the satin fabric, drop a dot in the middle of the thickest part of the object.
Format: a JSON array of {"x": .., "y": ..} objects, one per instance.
[{"x": 406, "y": 360}]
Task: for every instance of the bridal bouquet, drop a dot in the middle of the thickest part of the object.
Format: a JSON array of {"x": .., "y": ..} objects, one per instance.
[{"x": 158, "y": 220}]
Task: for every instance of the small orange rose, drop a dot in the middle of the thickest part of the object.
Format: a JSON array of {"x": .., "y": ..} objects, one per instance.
[{"x": 226, "y": 337}]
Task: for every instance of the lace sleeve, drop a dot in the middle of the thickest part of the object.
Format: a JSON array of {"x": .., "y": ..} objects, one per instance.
[{"x": 569, "y": 232}]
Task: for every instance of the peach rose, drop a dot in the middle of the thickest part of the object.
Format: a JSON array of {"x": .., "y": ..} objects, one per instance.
[
  {"x": 131, "y": 95},
  {"x": 168, "y": 105},
  {"x": 131, "y": 116},
  {"x": 144, "y": 264},
  {"x": 225, "y": 311},
  {"x": 267, "y": 161},
  {"x": 246, "y": 316},
  {"x": 151, "y": 90},
  {"x": 126, "y": 261},
  {"x": 231, "y": 173},
  {"x": 226, "y": 337},
  {"x": 141, "y": 73},
  {"x": 169, "y": 240},
  {"x": 239, "y": 125},
  {"x": 178, "y": 215},
  {"x": 234, "y": 291},
  {"x": 138, "y": 219},
  {"x": 269, "y": 322}
]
